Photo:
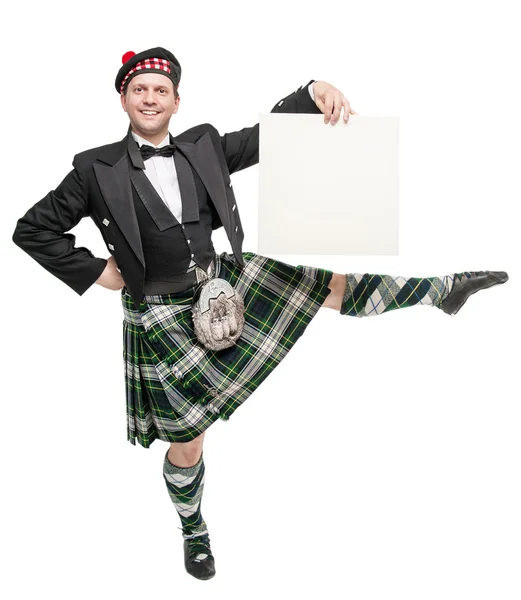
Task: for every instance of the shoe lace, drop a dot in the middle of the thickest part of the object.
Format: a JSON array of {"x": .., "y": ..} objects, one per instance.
[{"x": 199, "y": 545}]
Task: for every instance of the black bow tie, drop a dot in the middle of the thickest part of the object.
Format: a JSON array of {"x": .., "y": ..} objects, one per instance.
[{"x": 149, "y": 151}]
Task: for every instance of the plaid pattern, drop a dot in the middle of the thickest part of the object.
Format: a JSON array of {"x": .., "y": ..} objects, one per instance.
[
  {"x": 175, "y": 387},
  {"x": 149, "y": 63},
  {"x": 369, "y": 295},
  {"x": 185, "y": 487}
]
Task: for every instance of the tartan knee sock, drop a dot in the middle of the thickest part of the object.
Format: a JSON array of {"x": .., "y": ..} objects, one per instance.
[
  {"x": 368, "y": 295},
  {"x": 185, "y": 487}
]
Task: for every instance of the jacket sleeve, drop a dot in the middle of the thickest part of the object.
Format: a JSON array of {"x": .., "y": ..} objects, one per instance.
[
  {"x": 241, "y": 148},
  {"x": 41, "y": 233}
]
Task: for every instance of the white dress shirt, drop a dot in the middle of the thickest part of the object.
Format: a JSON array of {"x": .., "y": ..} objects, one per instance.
[
  {"x": 162, "y": 174},
  {"x": 311, "y": 92}
]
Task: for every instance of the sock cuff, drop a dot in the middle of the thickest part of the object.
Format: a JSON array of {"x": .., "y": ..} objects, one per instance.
[{"x": 170, "y": 468}]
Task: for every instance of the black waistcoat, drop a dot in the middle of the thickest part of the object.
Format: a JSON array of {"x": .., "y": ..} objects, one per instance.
[{"x": 166, "y": 249}]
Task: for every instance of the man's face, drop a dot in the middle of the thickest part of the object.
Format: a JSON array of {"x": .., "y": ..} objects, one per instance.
[{"x": 150, "y": 103}]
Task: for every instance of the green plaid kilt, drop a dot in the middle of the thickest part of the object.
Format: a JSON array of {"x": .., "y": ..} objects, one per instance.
[{"x": 175, "y": 387}]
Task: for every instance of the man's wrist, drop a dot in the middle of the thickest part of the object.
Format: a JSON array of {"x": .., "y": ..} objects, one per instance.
[{"x": 311, "y": 90}]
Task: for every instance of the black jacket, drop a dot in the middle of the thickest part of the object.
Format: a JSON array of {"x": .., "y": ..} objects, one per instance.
[{"x": 99, "y": 187}]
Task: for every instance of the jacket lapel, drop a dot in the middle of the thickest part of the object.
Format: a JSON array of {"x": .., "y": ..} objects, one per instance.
[
  {"x": 203, "y": 158},
  {"x": 159, "y": 212},
  {"x": 114, "y": 182},
  {"x": 187, "y": 188},
  {"x": 113, "y": 176}
]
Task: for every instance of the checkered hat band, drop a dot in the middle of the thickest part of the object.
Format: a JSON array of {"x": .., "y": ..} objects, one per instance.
[{"x": 148, "y": 63}]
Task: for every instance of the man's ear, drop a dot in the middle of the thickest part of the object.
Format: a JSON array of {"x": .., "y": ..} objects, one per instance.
[
  {"x": 123, "y": 102},
  {"x": 177, "y": 104}
]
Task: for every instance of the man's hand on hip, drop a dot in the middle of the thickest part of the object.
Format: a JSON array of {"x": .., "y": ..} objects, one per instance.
[
  {"x": 111, "y": 276},
  {"x": 330, "y": 101}
]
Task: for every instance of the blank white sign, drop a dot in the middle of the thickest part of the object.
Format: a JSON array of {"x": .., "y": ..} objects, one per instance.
[{"x": 328, "y": 189}]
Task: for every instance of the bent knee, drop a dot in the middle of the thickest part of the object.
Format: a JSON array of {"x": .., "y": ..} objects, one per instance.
[{"x": 187, "y": 452}]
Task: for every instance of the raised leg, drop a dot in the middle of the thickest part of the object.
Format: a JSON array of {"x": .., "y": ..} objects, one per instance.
[{"x": 362, "y": 295}]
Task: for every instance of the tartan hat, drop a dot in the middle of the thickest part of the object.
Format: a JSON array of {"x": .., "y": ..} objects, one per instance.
[{"x": 154, "y": 60}]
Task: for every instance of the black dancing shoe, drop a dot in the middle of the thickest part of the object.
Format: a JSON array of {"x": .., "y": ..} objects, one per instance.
[
  {"x": 466, "y": 284},
  {"x": 199, "y": 560}
]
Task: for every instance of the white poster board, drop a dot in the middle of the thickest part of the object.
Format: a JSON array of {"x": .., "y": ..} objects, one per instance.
[{"x": 328, "y": 189}]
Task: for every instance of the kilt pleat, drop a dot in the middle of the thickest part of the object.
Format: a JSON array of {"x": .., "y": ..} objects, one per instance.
[
  {"x": 139, "y": 416},
  {"x": 175, "y": 387}
]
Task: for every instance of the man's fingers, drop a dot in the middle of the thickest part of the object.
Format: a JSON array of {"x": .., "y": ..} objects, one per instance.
[
  {"x": 347, "y": 110},
  {"x": 337, "y": 100},
  {"x": 332, "y": 103},
  {"x": 328, "y": 108},
  {"x": 320, "y": 105}
]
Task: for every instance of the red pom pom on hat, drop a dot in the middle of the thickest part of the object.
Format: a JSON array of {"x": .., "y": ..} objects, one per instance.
[{"x": 127, "y": 56}]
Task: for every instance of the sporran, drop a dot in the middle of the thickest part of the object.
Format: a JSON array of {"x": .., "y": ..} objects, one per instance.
[{"x": 217, "y": 313}]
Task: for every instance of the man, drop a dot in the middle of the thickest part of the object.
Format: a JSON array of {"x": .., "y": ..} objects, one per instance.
[{"x": 156, "y": 200}]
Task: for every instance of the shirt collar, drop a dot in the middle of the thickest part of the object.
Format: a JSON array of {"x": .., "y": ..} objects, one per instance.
[{"x": 140, "y": 141}]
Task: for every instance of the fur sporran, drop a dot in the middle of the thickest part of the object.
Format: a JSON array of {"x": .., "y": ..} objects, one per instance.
[{"x": 218, "y": 314}]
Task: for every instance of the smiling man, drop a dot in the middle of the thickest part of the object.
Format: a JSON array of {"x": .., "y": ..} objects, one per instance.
[
  {"x": 156, "y": 200},
  {"x": 150, "y": 101}
]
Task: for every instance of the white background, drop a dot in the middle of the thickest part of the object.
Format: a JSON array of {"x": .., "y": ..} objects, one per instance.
[{"x": 381, "y": 459}]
